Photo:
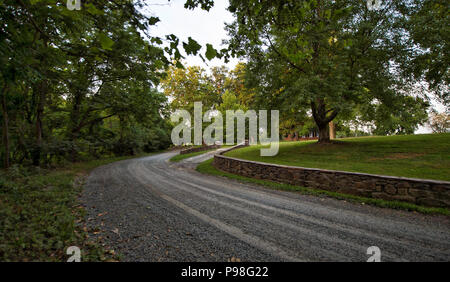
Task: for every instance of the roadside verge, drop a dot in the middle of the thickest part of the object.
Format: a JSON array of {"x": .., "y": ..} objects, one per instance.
[{"x": 207, "y": 167}]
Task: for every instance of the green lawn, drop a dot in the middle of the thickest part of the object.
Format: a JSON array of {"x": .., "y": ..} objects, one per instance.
[
  {"x": 40, "y": 214},
  {"x": 418, "y": 156}
]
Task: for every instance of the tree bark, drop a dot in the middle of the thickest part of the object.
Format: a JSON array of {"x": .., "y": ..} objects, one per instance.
[
  {"x": 5, "y": 128},
  {"x": 76, "y": 123},
  {"x": 324, "y": 136},
  {"x": 332, "y": 130},
  {"x": 41, "y": 91},
  {"x": 322, "y": 117}
]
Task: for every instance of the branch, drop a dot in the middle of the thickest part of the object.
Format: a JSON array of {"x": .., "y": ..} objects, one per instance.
[
  {"x": 83, "y": 124},
  {"x": 32, "y": 20},
  {"x": 332, "y": 116},
  {"x": 284, "y": 57}
]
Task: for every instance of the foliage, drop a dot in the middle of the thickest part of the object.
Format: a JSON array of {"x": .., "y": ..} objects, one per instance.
[
  {"x": 428, "y": 24},
  {"x": 184, "y": 86},
  {"x": 220, "y": 90},
  {"x": 41, "y": 215},
  {"x": 440, "y": 122},
  {"x": 188, "y": 85},
  {"x": 330, "y": 56},
  {"x": 77, "y": 84}
]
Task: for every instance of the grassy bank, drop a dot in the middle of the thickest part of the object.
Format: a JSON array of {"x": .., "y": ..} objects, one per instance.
[
  {"x": 207, "y": 168},
  {"x": 40, "y": 214},
  {"x": 418, "y": 156}
]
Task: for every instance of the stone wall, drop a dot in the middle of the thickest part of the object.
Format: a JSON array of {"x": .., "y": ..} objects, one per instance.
[
  {"x": 418, "y": 191},
  {"x": 198, "y": 149}
]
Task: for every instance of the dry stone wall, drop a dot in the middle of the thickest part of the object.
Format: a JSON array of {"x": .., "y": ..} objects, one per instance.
[
  {"x": 418, "y": 191},
  {"x": 198, "y": 149}
]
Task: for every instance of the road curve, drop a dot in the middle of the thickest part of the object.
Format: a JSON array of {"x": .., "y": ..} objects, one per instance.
[{"x": 148, "y": 209}]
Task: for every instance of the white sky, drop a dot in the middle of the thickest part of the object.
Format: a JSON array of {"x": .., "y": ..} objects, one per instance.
[{"x": 202, "y": 26}]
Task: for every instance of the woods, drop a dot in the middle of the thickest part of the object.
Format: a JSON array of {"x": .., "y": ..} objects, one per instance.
[{"x": 79, "y": 84}]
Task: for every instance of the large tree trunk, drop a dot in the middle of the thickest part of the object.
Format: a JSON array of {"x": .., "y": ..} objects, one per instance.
[
  {"x": 41, "y": 91},
  {"x": 75, "y": 117},
  {"x": 322, "y": 117},
  {"x": 324, "y": 136},
  {"x": 5, "y": 128},
  {"x": 39, "y": 115},
  {"x": 332, "y": 130}
]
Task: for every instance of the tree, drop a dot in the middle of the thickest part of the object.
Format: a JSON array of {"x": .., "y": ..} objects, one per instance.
[
  {"x": 65, "y": 73},
  {"x": 439, "y": 122},
  {"x": 185, "y": 86},
  {"x": 428, "y": 25},
  {"x": 236, "y": 84},
  {"x": 220, "y": 90},
  {"x": 329, "y": 55},
  {"x": 70, "y": 80}
]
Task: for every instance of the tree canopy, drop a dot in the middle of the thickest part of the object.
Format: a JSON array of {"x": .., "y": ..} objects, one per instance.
[
  {"x": 337, "y": 58},
  {"x": 82, "y": 82}
]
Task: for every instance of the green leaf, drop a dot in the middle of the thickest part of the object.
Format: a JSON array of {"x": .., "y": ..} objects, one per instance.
[
  {"x": 192, "y": 47},
  {"x": 105, "y": 41},
  {"x": 153, "y": 20},
  {"x": 179, "y": 65},
  {"x": 156, "y": 40},
  {"x": 91, "y": 9},
  {"x": 211, "y": 53},
  {"x": 204, "y": 4}
]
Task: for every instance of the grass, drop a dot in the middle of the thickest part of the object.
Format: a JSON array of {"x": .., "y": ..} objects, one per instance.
[
  {"x": 40, "y": 214},
  {"x": 418, "y": 156},
  {"x": 206, "y": 167}
]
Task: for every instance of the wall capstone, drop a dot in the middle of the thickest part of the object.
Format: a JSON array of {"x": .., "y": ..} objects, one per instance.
[{"x": 198, "y": 149}]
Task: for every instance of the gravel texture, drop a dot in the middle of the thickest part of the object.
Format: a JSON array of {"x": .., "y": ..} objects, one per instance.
[{"x": 148, "y": 209}]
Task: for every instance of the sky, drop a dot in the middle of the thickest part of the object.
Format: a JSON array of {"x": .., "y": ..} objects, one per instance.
[
  {"x": 202, "y": 26},
  {"x": 205, "y": 27}
]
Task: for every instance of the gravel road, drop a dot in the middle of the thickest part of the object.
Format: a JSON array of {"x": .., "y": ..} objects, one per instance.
[{"x": 153, "y": 210}]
